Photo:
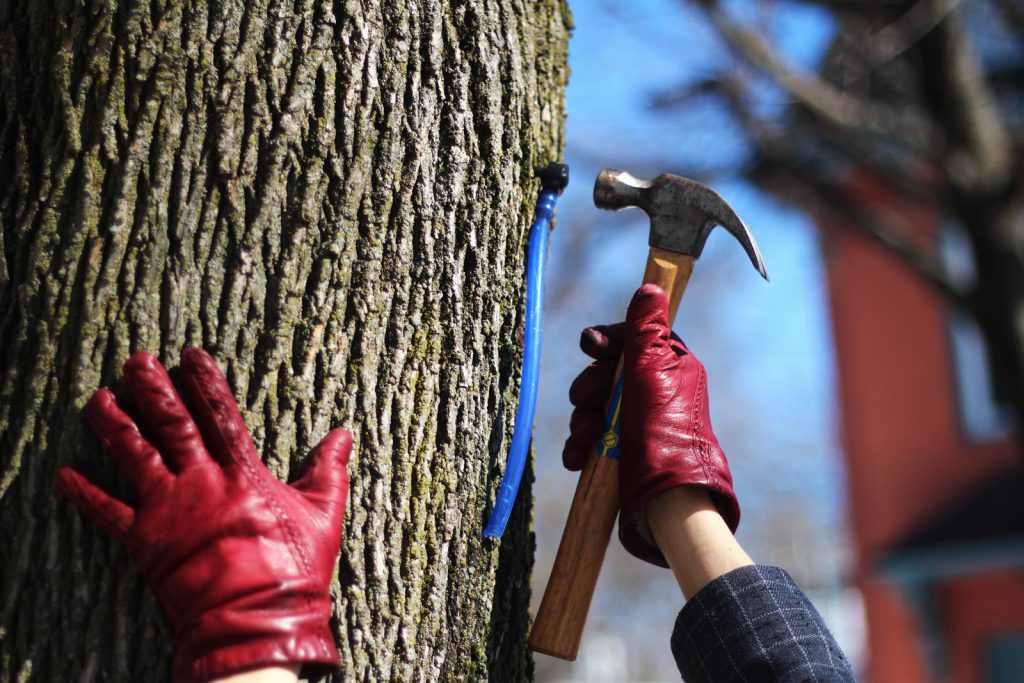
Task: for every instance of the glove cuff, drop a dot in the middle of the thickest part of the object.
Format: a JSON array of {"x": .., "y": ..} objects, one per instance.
[
  {"x": 231, "y": 641},
  {"x": 635, "y": 532},
  {"x": 315, "y": 650}
]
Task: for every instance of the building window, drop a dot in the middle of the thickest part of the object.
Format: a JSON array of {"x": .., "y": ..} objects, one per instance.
[
  {"x": 1004, "y": 659},
  {"x": 982, "y": 417}
]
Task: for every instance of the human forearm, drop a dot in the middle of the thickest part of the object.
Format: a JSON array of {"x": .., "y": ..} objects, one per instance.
[
  {"x": 693, "y": 537},
  {"x": 679, "y": 508}
]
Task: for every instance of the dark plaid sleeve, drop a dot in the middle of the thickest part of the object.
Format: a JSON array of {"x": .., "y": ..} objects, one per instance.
[{"x": 754, "y": 624}]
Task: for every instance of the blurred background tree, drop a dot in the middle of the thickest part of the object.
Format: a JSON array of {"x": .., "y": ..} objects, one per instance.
[{"x": 923, "y": 97}]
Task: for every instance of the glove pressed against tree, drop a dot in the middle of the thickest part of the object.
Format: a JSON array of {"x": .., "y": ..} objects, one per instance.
[
  {"x": 665, "y": 424},
  {"x": 239, "y": 562}
]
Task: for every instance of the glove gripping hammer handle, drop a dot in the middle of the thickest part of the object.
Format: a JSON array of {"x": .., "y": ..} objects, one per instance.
[{"x": 558, "y": 627}]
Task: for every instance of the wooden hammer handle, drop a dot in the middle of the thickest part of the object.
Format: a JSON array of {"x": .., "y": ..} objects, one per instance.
[{"x": 558, "y": 626}]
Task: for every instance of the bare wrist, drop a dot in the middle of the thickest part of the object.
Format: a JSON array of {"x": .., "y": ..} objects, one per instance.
[
  {"x": 693, "y": 537},
  {"x": 286, "y": 673}
]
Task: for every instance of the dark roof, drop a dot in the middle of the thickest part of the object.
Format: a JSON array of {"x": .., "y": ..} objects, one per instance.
[
  {"x": 992, "y": 510},
  {"x": 981, "y": 531}
]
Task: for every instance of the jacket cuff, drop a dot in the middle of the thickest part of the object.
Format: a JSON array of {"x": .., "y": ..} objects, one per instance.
[{"x": 755, "y": 624}]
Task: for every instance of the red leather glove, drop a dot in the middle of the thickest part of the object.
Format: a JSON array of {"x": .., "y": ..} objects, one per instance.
[
  {"x": 239, "y": 561},
  {"x": 665, "y": 424}
]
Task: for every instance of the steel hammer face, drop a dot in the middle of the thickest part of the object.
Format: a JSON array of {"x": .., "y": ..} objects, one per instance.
[{"x": 682, "y": 211}]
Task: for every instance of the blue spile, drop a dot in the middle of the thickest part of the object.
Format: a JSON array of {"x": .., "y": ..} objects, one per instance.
[{"x": 523, "y": 429}]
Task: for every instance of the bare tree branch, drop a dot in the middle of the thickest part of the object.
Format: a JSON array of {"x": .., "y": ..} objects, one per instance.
[
  {"x": 912, "y": 105},
  {"x": 874, "y": 225},
  {"x": 1013, "y": 13},
  {"x": 896, "y": 38},
  {"x": 981, "y": 154},
  {"x": 808, "y": 186},
  {"x": 831, "y": 105},
  {"x": 903, "y": 171}
]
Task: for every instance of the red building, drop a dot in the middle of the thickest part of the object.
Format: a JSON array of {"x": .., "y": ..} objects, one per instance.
[{"x": 936, "y": 493}]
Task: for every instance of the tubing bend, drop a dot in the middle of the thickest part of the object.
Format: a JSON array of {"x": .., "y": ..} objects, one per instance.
[{"x": 523, "y": 429}]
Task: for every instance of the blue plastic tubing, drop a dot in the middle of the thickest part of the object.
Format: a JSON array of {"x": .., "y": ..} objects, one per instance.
[{"x": 523, "y": 430}]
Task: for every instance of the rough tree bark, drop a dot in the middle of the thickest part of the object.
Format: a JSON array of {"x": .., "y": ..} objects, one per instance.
[{"x": 330, "y": 196}]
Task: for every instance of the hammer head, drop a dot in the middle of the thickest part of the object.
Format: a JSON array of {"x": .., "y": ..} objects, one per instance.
[{"x": 682, "y": 211}]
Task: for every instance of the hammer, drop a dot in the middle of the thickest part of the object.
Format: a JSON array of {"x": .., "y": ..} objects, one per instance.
[{"x": 683, "y": 212}]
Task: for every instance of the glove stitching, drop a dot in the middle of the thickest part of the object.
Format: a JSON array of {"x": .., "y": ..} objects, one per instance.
[
  {"x": 249, "y": 468},
  {"x": 699, "y": 445},
  {"x": 298, "y": 548}
]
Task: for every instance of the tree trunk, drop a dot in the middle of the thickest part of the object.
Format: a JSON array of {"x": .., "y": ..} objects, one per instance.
[{"x": 332, "y": 198}]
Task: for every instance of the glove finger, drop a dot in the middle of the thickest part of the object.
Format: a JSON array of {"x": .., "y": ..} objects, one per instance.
[
  {"x": 603, "y": 342},
  {"x": 113, "y": 517},
  {"x": 591, "y": 387},
  {"x": 585, "y": 427},
  {"x": 574, "y": 455},
  {"x": 647, "y": 327},
  {"x": 140, "y": 463},
  {"x": 325, "y": 482},
  {"x": 166, "y": 417},
  {"x": 214, "y": 409}
]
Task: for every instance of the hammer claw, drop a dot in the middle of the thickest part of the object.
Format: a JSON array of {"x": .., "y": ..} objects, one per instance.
[{"x": 682, "y": 211}]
